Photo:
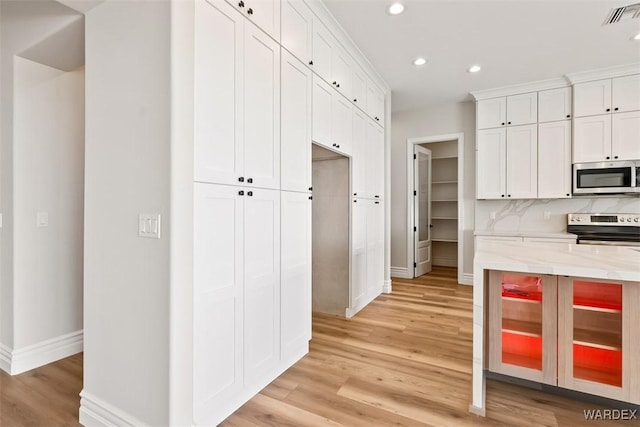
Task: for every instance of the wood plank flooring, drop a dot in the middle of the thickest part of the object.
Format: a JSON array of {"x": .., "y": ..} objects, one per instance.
[{"x": 405, "y": 360}]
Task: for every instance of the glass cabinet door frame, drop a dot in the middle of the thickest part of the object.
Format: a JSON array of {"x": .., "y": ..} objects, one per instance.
[
  {"x": 629, "y": 391},
  {"x": 548, "y": 373}
]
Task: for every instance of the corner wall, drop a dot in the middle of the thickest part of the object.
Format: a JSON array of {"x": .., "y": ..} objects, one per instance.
[{"x": 446, "y": 119}]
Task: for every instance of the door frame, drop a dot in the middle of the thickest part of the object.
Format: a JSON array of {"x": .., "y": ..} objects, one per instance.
[
  {"x": 410, "y": 200},
  {"x": 416, "y": 225}
]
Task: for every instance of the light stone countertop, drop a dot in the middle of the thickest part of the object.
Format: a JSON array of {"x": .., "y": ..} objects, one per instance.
[{"x": 561, "y": 235}]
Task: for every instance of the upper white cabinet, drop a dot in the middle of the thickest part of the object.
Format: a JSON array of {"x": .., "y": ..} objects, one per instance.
[
  {"x": 323, "y": 46},
  {"x": 264, "y": 13},
  {"x": 374, "y": 161},
  {"x": 554, "y": 160},
  {"x": 359, "y": 159},
  {"x": 592, "y": 138},
  {"x": 592, "y": 98},
  {"x": 375, "y": 103},
  {"x": 625, "y": 136},
  {"x": 237, "y": 100},
  {"x": 359, "y": 87},
  {"x": 297, "y": 29},
  {"x": 295, "y": 142},
  {"x": 492, "y": 113},
  {"x": 341, "y": 121},
  {"x": 341, "y": 71},
  {"x": 491, "y": 160},
  {"x": 626, "y": 93},
  {"x": 332, "y": 117},
  {"x": 522, "y": 162},
  {"x": 554, "y": 105},
  {"x": 522, "y": 109}
]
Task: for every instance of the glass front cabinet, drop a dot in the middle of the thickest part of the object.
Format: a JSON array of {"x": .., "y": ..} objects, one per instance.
[{"x": 575, "y": 333}]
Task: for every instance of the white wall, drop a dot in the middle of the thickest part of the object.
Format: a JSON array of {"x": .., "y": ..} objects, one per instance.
[
  {"x": 48, "y": 177},
  {"x": 128, "y": 113},
  {"x": 445, "y": 119}
]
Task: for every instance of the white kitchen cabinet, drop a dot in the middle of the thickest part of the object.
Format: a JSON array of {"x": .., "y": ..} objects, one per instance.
[
  {"x": 321, "y": 111},
  {"x": 491, "y": 158},
  {"x": 625, "y": 136},
  {"x": 592, "y": 98},
  {"x": 341, "y": 121},
  {"x": 296, "y": 273},
  {"x": 297, "y": 29},
  {"x": 323, "y": 46},
  {"x": 592, "y": 138},
  {"x": 341, "y": 71},
  {"x": 522, "y": 162},
  {"x": 522, "y": 109},
  {"x": 554, "y": 160},
  {"x": 359, "y": 87},
  {"x": 554, "y": 105},
  {"x": 264, "y": 13},
  {"x": 359, "y": 159},
  {"x": 625, "y": 92},
  {"x": 492, "y": 113},
  {"x": 375, "y": 160},
  {"x": 375, "y": 103},
  {"x": 295, "y": 143},
  {"x": 237, "y": 100},
  {"x": 358, "y": 290},
  {"x": 375, "y": 249}
]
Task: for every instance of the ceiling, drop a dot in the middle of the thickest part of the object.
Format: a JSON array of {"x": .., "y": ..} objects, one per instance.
[{"x": 515, "y": 41}]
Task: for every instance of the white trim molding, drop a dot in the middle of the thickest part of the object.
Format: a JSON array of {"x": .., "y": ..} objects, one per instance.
[
  {"x": 401, "y": 273},
  {"x": 386, "y": 288},
  {"x": 521, "y": 88},
  {"x": 5, "y": 358},
  {"x": 94, "y": 412},
  {"x": 604, "y": 73},
  {"x": 39, "y": 354},
  {"x": 467, "y": 279}
]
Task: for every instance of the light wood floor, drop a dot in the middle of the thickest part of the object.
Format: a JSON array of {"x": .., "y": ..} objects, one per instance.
[{"x": 405, "y": 360}]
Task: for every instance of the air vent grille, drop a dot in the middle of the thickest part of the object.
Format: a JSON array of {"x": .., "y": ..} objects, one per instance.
[{"x": 623, "y": 13}]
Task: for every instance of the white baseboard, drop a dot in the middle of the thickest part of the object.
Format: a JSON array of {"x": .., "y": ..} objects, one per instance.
[
  {"x": 96, "y": 413},
  {"x": 445, "y": 262},
  {"x": 467, "y": 279},
  {"x": 5, "y": 358},
  {"x": 386, "y": 288},
  {"x": 401, "y": 273},
  {"x": 36, "y": 355}
]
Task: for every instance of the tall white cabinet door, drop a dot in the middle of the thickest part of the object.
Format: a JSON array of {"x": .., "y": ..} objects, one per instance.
[
  {"x": 522, "y": 109},
  {"x": 295, "y": 144},
  {"x": 321, "y": 112},
  {"x": 218, "y": 108},
  {"x": 296, "y": 273},
  {"x": 378, "y": 162},
  {"x": 264, "y": 13},
  {"x": 341, "y": 71},
  {"x": 359, "y": 157},
  {"x": 626, "y": 93},
  {"x": 342, "y": 116},
  {"x": 375, "y": 249},
  {"x": 522, "y": 162},
  {"x": 491, "y": 164},
  {"x": 625, "y": 136},
  {"x": 261, "y": 109},
  {"x": 592, "y": 98},
  {"x": 554, "y": 160},
  {"x": 297, "y": 29},
  {"x": 592, "y": 138},
  {"x": 492, "y": 113},
  {"x": 217, "y": 298},
  {"x": 262, "y": 284},
  {"x": 358, "y": 291},
  {"x": 375, "y": 103},
  {"x": 371, "y": 160},
  {"x": 554, "y": 105},
  {"x": 322, "y": 50},
  {"x": 359, "y": 87}
]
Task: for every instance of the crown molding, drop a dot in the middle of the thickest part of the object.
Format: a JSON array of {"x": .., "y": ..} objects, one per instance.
[
  {"x": 604, "y": 73},
  {"x": 521, "y": 88}
]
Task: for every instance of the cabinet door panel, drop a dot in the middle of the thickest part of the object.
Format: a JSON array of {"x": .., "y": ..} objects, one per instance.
[
  {"x": 322, "y": 104},
  {"x": 522, "y": 109},
  {"x": 342, "y": 116},
  {"x": 592, "y": 138},
  {"x": 522, "y": 162},
  {"x": 371, "y": 160},
  {"x": 262, "y": 284},
  {"x": 378, "y": 162},
  {"x": 375, "y": 103},
  {"x": 261, "y": 109},
  {"x": 554, "y": 160},
  {"x": 592, "y": 98},
  {"x": 265, "y": 14},
  {"x": 359, "y": 157},
  {"x": 218, "y": 108},
  {"x": 625, "y": 136},
  {"x": 491, "y": 164},
  {"x": 359, "y": 87},
  {"x": 492, "y": 113},
  {"x": 341, "y": 71},
  {"x": 296, "y": 272},
  {"x": 554, "y": 105},
  {"x": 218, "y": 296},
  {"x": 375, "y": 254},
  {"x": 626, "y": 93},
  {"x": 297, "y": 29},
  {"x": 358, "y": 253},
  {"x": 322, "y": 50},
  {"x": 296, "y": 124}
]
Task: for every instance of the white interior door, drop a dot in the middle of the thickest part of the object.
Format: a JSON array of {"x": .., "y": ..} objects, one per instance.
[{"x": 422, "y": 207}]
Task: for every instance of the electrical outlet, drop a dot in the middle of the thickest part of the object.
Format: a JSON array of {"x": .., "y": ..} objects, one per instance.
[
  {"x": 149, "y": 225},
  {"x": 42, "y": 219}
]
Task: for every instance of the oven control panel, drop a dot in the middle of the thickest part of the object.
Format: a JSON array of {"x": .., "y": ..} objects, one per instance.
[{"x": 603, "y": 219}]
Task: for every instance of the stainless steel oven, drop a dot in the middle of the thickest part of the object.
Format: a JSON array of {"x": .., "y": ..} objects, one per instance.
[
  {"x": 605, "y": 229},
  {"x": 606, "y": 177}
]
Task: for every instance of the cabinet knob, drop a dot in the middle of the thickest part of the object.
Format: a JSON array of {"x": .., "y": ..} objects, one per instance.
[
  {"x": 502, "y": 123},
  {"x": 355, "y": 201},
  {"x": 502, "y": 195},
  {"x": 334, "y": 83},
  {"x": 240, "y": 193},
  {"x": 608, "y": 109},
  {"x": 615, "y": 157},
  {"x": 338, "y": 146},
  {"x": 250, "y": 180},
  {"x": 355, "y": 99},
  {"x": 568, "y": 116},
  {"x": 508, "y": 195},
  {"x": 608, "y": 157},
  {"x": 377, "y": 119},
  {"x": 377, "y": 203},
  {"x": 249, "y": 193},
  {"x": 241, "y": 4},
  {"x": 377, "y": 197},
  {"x": 508, "y": 123},
  {"x": 338, "y": 85},
  {"x": 310, "y": 188},
  {"x": 250, "y": 11},
  {"x": 615, "y": 109},
  {"x": 311, "y": 62},
  {"x": 241, "y": 179},
  {"x": 310, "y": 197},
  {"x": 355, "y": 194},
  {"x": 333, "y": 145},
  {"x": 568, "y": 194}
]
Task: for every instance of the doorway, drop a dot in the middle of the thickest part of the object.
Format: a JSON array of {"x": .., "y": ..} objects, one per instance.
[{"x": 434, "y": 203}]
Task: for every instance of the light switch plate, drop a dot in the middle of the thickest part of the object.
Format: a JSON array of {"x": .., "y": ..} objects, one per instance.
[
  {"x": 42, "y": 219},
  {"x": 149, "y": 225}
]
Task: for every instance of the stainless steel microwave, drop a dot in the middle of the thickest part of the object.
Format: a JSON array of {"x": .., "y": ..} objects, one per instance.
[{"x": 606, "y": 177}]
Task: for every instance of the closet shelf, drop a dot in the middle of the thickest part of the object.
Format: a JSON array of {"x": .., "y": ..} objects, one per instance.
[
  {"x": 444, "y": 182},
  {"x": 444, "y": 200},
  {"x": 445, "y": 217},
  {"x": 444, "y": 157},
  {"x": 444, "y": 240}
]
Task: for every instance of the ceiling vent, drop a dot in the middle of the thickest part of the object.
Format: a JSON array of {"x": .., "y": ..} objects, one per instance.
[{"x": 623, "y": 13}]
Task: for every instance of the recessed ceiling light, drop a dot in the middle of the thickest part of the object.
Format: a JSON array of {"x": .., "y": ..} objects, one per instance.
[
  {"x": 636, "y": 37},
  {"x": 396, "y": 8},
  {"x": 419, "y": 62},
  {"x": 474, "y": 69}
]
